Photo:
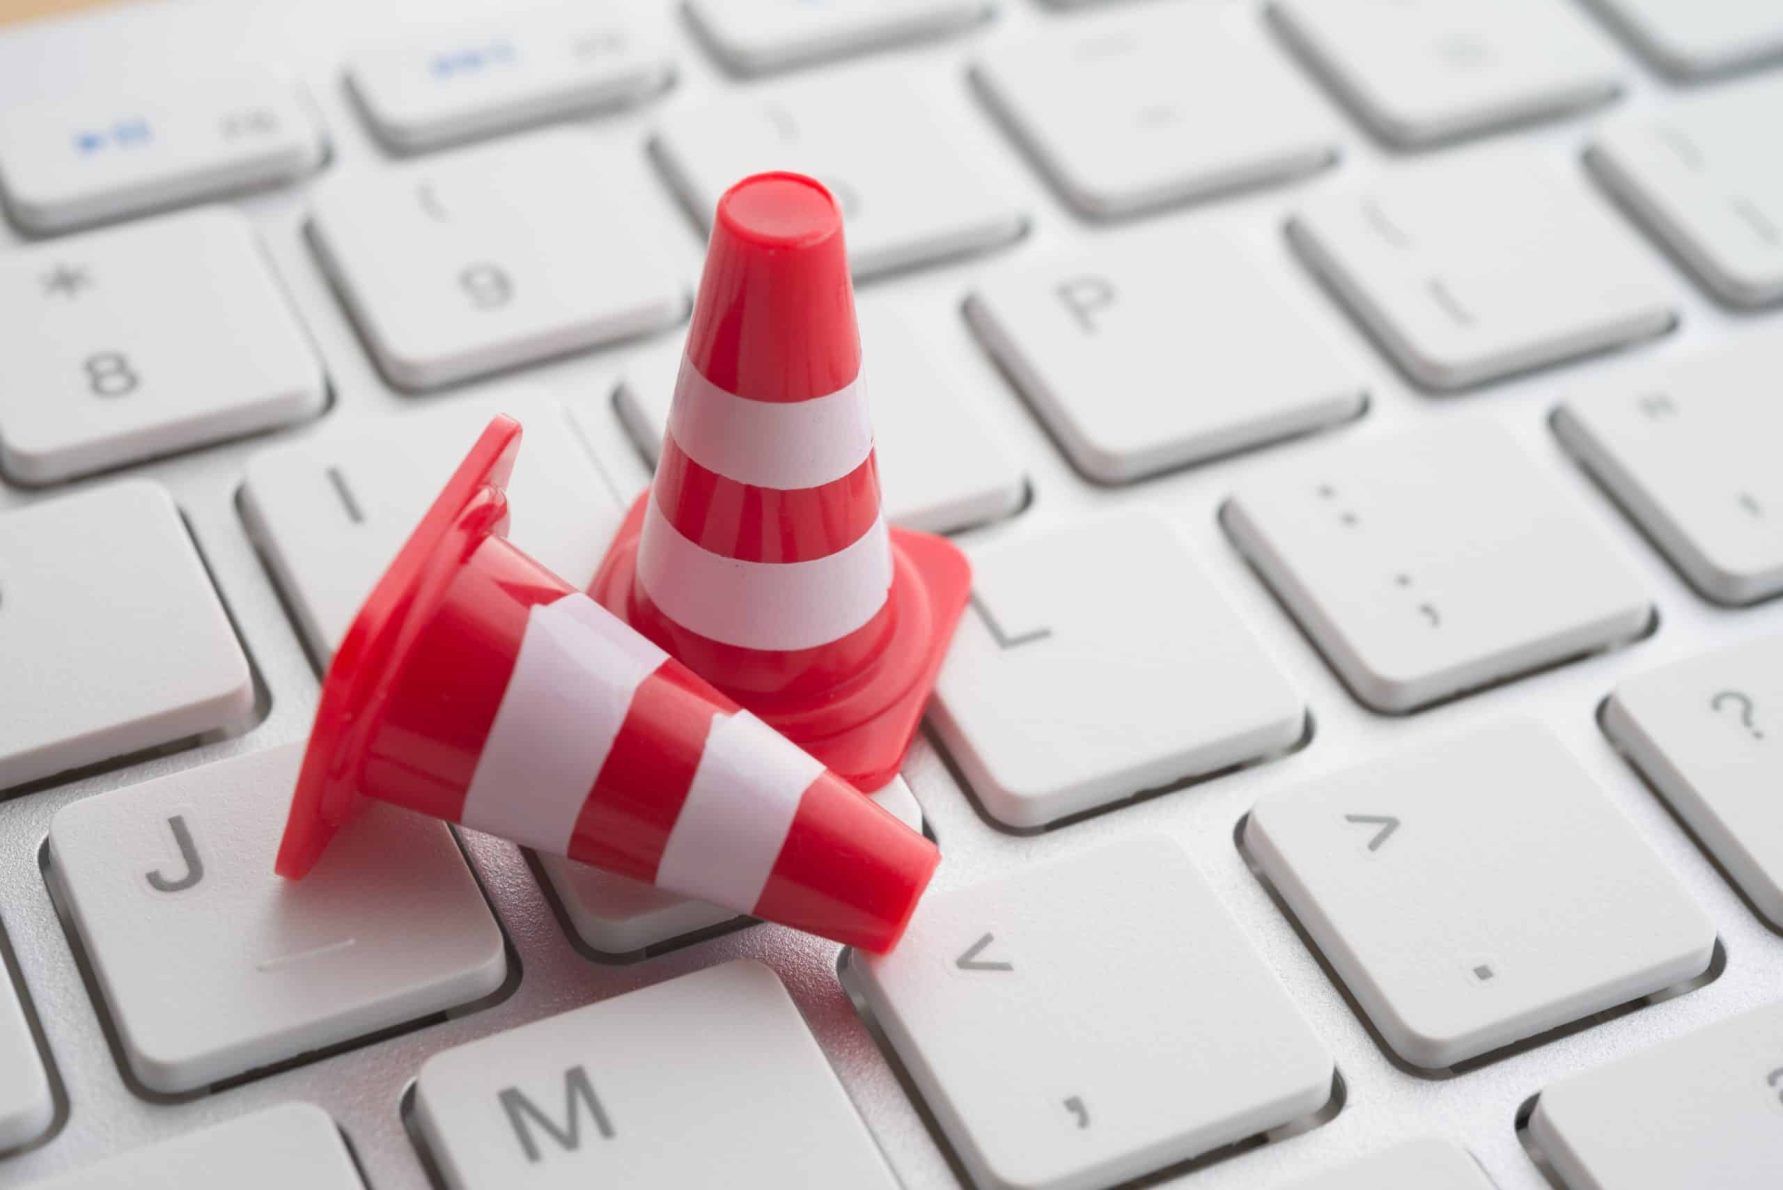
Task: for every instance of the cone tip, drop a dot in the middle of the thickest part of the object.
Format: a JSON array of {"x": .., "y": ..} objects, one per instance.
[{"x": 779, "y": 210}]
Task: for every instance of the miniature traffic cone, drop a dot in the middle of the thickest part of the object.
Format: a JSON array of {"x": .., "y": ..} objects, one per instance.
[
  {"x": 760, "y": 556},
  {"x": 478, "y": 687}
]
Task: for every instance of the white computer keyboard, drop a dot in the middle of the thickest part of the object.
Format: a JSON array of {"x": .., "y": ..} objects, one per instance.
[{"x": 1360, "y": 768}]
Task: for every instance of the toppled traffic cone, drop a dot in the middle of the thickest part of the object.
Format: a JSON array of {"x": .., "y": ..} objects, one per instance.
[
  {"x": 478, "y": 687},
  {"x": 760, "y": 556}
]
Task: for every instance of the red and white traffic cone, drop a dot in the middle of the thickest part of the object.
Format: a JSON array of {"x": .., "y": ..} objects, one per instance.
[
  {"x": 760, "y": 556},
  {"x": 478, "y": 687}
]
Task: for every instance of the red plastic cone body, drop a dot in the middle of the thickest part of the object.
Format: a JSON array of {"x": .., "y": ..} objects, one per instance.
[
  {"x": 478, "y": 687},
  {"x": 760, "y": 556}
]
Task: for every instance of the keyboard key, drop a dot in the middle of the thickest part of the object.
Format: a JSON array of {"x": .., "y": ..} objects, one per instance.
[
  {"x": 941, "y": 465},
  {"x": 1707, "y": 732},
  {"x": 1695, "y": 38},
  {"x": 497, "y": 256},
  {"x": 1135, "y": 112},
  {"x": 1091, "y": 338},
  {"x": 1477, "y": 267},
  {"x": 1425, "y": 71},
  {"x": 760, "y": 36},
  {"x": 1434, "y": 563},
  {"x": 616, "y": 917},
  {"x": 115, "y": 151},
  {"x": 146, "y": 339},
  {"x": 1689, "y": 451},
  {"x": 1700, "y": 174},
  {"x": 27, "y": 1108},
  {"x": 448, "y": 85},
  {"x": 915, "y": 189},
  {"x": 109, "y": 677},
  {"x": 1055, "y": 701},
  {"x": 330, "y": 512},
  {"x": 1091, "y": 1019},
  {"x": 1423, "y": 1164},
  {"x": 293, "y": 1146},
  {"x": 1698, "y": 1110},
  {"x": 606, "y": 1095},
  {"x": 213, "y": 967},
  {"x": 1419, "y": 877}
]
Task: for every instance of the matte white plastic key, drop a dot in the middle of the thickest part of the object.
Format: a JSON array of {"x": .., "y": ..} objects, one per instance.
[
  {"x": 914, "y": 184},
  {"x": 1431, "y": 563},
  {"x": 1701, "y": 175},
  {"x": 1065, "y": 686},
  {"x": 1091, "y": 1019},
  {"x": 758, "y": 36},
  {"x": 144, "y": 340},
  {"x": 294, "y": 1146},
  {"x": 437, "y": 87},
  {"x": 113, "y": 150},
  {"x": 1690, "y": 451},
  {"x": 92, "y": 675},
  {"x": 331, "y": 511},
  {"x": 1478, "y": 892},
  {"x": 1424, "y": 71},
  {"x": 1694, "y": 38},
  {"x": 1136, "y": 110},
  {"x": 942, "y": 467},
  {"x": 1423, "y": 1164},
  {"x": 1698, "y": 1110},
  {"x": 1707, "y": 732},
  {"x": 497, "y": 256},
  {"x": 711, "y": 1079},
  {"x": 1472, "y": 268},
  {"x": 1136, "y": 368},
  {"x": 27, "y": 1108},
  {"x": 212, "y": 966}
]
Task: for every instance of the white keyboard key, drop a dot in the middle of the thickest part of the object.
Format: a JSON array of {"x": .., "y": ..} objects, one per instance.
[
  {"x": 915, "y": 189},
  {"x": 942, "y": 467},
  {"x": 608, "y": 1095},
  {"x": 1094, "y": 342},
  {"x": 294, "y": 1146},
  {"x": 1422, "y": 1164},
  {"x": 1690, "y": 451},
  {"x": 1420, "y": 877},
  {"x": 146, "y": 339},
  {"x": 1055, "y": 701},
  {"x": 616, "y": 917},
  {"x": 1424, "y": 71},
  {"x": 1696, "y": 1111},
  {"x": 496, "y": 256},
  {"x": 454, "y": 84},
  {"x": 759, "y": 36},
  {"x": 1701, "y": 174},
  {"x": 1429, "y": 564},
  {"x": 91, "y": 675},
  {"x": 330, "y": 512},
  {"x": 27, "y": 1108},
  {"x": 212, "y": 966},
  {"x": 110, "y": 152},
  {"x": 1473, "y": 268},
  {"x": 1708, "y": 734},
  {"x": 1134, "y": 112},
  {"x": 1694, "y": 38},
  {"x": 1091, "y": 1019}
]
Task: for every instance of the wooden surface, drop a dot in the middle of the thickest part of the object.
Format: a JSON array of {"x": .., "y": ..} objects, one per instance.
[{"x": 13, "y": 11}]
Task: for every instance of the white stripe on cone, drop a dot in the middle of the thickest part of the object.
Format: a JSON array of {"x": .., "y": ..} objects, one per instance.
[
  {"x": 737, "y": 813},
  {"x": 775, "y": 606},
  {"x": 779, "y": 445},
  {"x": 567, "y": 697}
]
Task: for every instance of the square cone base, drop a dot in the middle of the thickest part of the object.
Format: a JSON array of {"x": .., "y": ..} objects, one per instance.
[{"x": 863, "y": 728}]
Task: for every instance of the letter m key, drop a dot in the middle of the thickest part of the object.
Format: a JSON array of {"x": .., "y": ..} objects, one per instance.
[{"x": 578, "y": 1099}]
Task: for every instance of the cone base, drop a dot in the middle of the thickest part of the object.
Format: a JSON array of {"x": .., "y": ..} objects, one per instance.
[{"x": 862, "y": 730}]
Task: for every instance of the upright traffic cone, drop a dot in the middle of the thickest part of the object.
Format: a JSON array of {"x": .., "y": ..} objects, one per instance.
[
  {"x": 478, "y": 687},
  {"x": 760, "y": 556}
]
